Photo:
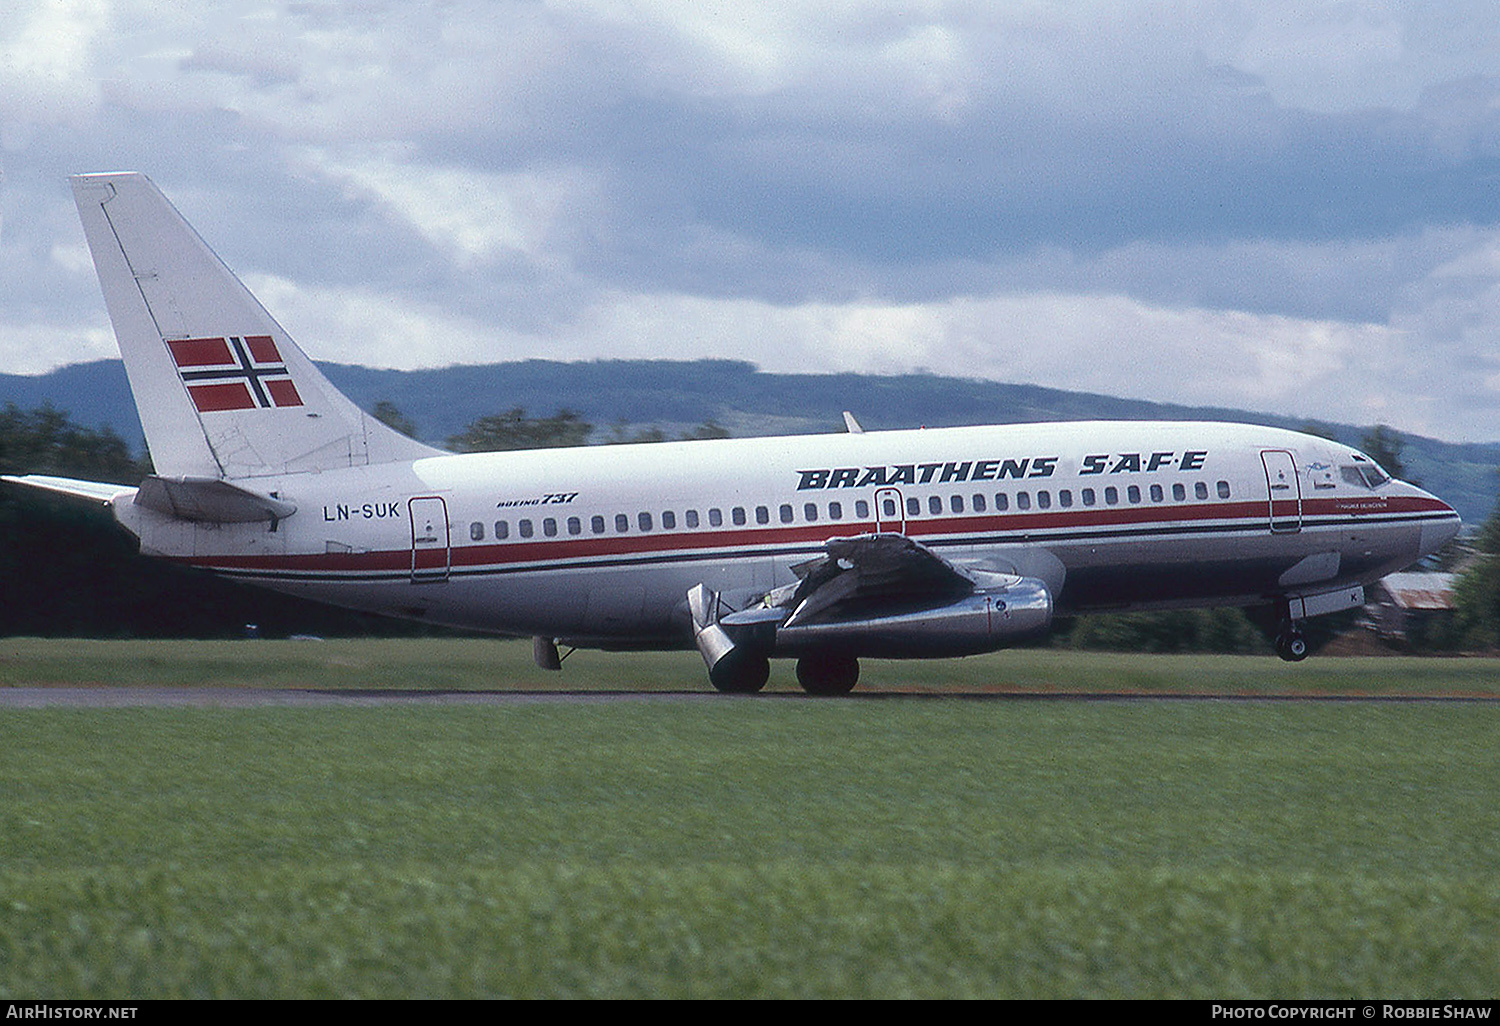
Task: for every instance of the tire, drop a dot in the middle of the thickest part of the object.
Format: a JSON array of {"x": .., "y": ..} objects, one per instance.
[
  {"x": 827, "y": 673},
  {"x": 1291, "y": 645}
]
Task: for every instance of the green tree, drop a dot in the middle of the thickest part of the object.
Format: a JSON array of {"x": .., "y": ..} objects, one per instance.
[
  {"x": 1476, "y": 596},
  {"x": 46, "y": 441},
  {"x": 514, "y": 430},
  {"x": 1187, "y": 630},
  {"x": 1385, "y": 446},
  {"x": 1322, "y": 430},
  {"x": 620, "y": 433},
  {"x": 708, "y": 429},
  {"x": 389, "y": 414}
]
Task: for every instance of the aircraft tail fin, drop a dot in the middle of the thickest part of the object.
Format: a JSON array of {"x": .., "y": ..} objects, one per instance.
[{"x": 223, "y": 391}]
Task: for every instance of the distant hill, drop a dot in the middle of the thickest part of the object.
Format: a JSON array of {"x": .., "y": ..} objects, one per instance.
[{"x": 679, "y": 396}]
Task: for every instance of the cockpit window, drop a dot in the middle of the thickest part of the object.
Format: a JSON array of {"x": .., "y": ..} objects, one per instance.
[{"x": 1364, "y": 472}]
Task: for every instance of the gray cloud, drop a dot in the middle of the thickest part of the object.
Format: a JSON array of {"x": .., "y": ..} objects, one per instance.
[{"x": 801, "y": 184}]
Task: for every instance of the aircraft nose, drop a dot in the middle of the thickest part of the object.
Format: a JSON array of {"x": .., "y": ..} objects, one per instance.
[{"x": 1440, "y": 529}]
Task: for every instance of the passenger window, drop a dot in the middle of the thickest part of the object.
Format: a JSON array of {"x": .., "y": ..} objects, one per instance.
[
  {"x": 644, "y": 519},
  {"x": 861, "y": 509},
  {"x": 1023, "y": 500},
  {"x": 979, "y": 504},
  {"x": 1065, "y": 498},
  {"x": 762, "y": 515},
  {"x": 715, "y": 518},
  {"x": 1133, "y": 494},
  {"x": 835, "y": 511},
  {"x": 575, "y": 526},
  {"x": 622, "y": 523},
  {"x": 889, "y": 507},
  {"x": 785, "y": 512},
  {"x": 1179, "y": 492},
  {"x": 956, "y": 504},
  {"x": 597, "y": 525},
  {"x": 549, "y": 527},
  {"x": 524, "y": 528},
  {"x": 1088, "y": 496},
  {"x": 476, "y": 532},
  {"x": 1111, "y": 496},
  {"x": 1223, "y": 489},
  {"x": 1044, "y": 499},
  {"x": 668, "y": 520},
  {"x": 810, "y": 511},
  {"x": 1156, "y": 493},
  {"x": 1002, "y": 502},
  {"x": 934, "y": 505},
  {"x": 913, "y": 507},
  {"x": 502, "y": 529},
  {"x": 738, "y": 516},
  {"x": 691, "y": 518}
]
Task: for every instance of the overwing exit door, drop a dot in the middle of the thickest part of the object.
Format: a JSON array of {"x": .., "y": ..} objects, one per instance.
[{"x": 890, "y": 511}]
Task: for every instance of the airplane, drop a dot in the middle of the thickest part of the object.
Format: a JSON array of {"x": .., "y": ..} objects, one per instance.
[{"x": 824, "y": 548}]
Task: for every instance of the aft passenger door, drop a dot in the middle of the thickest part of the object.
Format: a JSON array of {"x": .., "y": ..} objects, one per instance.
[
  {"x": 1284, "y": 491},
  {"x": 429, "y": 539}
]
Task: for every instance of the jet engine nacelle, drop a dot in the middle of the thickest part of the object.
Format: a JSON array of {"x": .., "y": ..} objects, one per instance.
[{"x": 981, "y": 622}]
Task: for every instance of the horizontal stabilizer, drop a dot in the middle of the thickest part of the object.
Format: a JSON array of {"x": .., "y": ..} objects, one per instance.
[
  {"x": 210, "y": 500},
  {"x": 93, "y": 491}
]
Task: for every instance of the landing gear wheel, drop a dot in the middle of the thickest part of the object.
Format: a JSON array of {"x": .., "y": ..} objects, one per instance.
[
  {"x": 1291, "y": 644},
  {"x": 740, "y": 673},
  {"x": 827, "y": 673}
]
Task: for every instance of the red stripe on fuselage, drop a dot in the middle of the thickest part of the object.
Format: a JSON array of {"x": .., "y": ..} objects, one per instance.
[{"x": 1246, "y": 516}]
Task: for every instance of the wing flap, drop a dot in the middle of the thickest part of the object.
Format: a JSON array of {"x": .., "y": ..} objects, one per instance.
[{"x": 873, "y": 571}]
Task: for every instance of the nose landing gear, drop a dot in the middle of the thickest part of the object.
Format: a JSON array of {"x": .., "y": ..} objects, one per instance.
[{"x": 1291, "y": 643}]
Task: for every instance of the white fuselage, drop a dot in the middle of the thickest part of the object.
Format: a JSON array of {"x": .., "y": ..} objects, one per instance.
[{"x": 599, "y": 545}]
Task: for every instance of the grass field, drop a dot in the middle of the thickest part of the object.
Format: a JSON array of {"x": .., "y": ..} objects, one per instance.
[{"x": 957, "y": 847}]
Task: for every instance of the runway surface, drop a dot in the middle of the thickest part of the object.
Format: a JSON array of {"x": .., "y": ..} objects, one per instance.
[{"x": 245, "y": 698}]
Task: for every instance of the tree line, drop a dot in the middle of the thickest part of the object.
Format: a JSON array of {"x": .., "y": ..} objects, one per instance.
[{"x": 513, "y": 429}]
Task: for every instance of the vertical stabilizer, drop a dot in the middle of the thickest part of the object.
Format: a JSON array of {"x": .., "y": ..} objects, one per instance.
[{"x": 222, "y": 390}]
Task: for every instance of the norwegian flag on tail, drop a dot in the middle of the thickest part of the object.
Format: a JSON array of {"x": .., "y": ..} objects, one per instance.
[{"x": 234, "y": 373}]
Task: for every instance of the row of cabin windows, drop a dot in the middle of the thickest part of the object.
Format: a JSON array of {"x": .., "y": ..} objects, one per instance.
[
  {"x": 787, "y": 514},
  {"x": 646, "y": 522}
]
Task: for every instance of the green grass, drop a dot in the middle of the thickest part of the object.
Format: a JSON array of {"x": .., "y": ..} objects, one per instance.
[{"x": 750, "y": 848}]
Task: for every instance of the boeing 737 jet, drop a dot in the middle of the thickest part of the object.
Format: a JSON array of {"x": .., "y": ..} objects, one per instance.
[{"x": 824, "y": 548}]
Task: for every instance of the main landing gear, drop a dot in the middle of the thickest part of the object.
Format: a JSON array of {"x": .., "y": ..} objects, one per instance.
[
  {"x": 1291, "y": 643},
  {"x": 827, "y": 673},
  {"x": 820, "y": 673}
]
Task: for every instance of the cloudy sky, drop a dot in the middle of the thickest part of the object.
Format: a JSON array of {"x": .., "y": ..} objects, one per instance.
[{"x": 1281, "y": 205}]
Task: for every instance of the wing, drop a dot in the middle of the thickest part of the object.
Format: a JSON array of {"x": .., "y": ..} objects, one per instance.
[{"x": 881, "y": 595}]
